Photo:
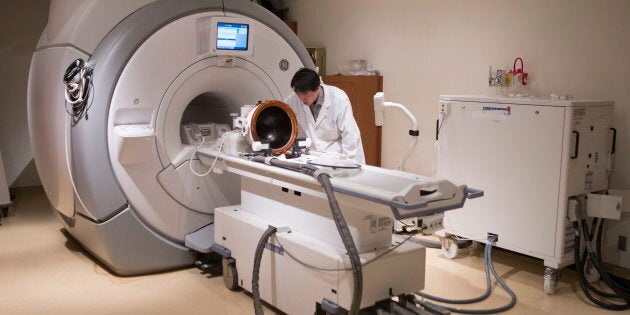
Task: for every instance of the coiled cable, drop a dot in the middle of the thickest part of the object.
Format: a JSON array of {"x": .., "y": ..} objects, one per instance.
[{"x": 78, "y": 81}]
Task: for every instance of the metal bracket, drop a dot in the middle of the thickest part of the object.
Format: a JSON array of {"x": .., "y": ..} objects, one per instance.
[{"x": 221, "y": 250}]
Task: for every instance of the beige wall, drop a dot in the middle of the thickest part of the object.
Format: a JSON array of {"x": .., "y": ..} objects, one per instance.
[
  {"x": 427, "y": 48},
  {"x": 21, "y": 23}
]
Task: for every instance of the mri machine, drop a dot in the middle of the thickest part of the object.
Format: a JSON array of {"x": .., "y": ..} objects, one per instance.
[{"x": 149, "y": 103}]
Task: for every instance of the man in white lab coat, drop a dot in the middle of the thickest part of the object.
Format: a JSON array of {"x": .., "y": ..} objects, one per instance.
[{"x": 324, "y": 114}]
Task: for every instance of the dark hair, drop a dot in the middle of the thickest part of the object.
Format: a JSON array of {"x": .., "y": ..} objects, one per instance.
[{"x": 305, "y": 80}]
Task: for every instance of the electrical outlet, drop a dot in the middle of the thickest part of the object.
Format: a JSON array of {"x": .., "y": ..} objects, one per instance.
[{"x": 445, "y": 108}]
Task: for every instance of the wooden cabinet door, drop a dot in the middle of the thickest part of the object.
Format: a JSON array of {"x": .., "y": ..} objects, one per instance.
[{"x": 361, "y": 90}]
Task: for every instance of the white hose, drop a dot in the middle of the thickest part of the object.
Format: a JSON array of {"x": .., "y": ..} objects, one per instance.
[
  {"x": 414, "y": 127},
  {"x": 407, "y": 154},
  {"x": 414, "y": 122}
]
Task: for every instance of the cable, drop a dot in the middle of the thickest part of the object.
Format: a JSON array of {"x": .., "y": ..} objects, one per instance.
[
  {"x": 586, "y": 288},
  {"x": 621, "y": 292},
  {"x": 348, "y": 242},
  {"x": 437, "y": 145},
  {"x": 405, "y": 157},
  {"x": 78, "y": 81},
  {"x": 308, "y": 265},
  {"x": 598, "y": 244},
  {"x": 586, "y": 257},
  {"x": 340, "y": 222},
  {"x": 489, "y": 268},
  {"x": 470, "y": 300},
  {"x": 256, "y": 272},
  {"x": 216, "y": 157}
]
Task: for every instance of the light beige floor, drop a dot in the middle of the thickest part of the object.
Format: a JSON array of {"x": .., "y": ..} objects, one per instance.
[{"x": 44, "y": 272}]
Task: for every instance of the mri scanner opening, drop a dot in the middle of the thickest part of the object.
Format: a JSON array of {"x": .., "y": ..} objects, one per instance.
[{"x": 207, "y": 116}]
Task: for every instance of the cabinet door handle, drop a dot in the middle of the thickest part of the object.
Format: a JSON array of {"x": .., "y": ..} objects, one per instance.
[
  {"x": 577, "y": 145},
  {"x": 437, "y": 130},
  {"x": 614, "y": 142}
]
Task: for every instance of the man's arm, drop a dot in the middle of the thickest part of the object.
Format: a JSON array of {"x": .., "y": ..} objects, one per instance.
[
  {"x": 294, "y": 104},
  {"x": 351, "y": 144}
]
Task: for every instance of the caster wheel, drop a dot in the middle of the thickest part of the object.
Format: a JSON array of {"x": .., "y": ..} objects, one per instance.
[
  {"x": 449, "y": 248},
  {"x": 230, "y": 276},
  {"x": 551, "y": 278}
]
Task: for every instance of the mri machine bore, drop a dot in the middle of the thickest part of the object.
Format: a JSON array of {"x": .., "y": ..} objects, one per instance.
[{"x": 168, "y": 144}]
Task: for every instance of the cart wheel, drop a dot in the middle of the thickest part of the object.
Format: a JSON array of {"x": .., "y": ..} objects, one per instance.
[
  {"x": 449, "y": 247},
  {"x": 590, "y": 273},
  {"x": 552, "y": 276},
  {"x": 230, "y": 276},
  {"x": 5, "y": 211}
]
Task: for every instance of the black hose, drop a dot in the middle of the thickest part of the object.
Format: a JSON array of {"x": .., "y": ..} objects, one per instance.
[
  {"x": 489, "y": 267},
  {"x": 470, "y": 300},
  {"x": 504, "y": 285},
  {"x": 599, "y": 266},
  {"x": 348, "y": 242},
  {"x": 582, "y": 280},
  {"x": 584, "y": 259},
  {"x": 256, "y": 275},
  {"x": 620, "y": 292},
  {"x": 624, "y": 283},
  {"x": 340, "y": 222}
]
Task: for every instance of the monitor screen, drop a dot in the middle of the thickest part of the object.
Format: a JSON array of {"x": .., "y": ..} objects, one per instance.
[{"x": 232, "y": 36}]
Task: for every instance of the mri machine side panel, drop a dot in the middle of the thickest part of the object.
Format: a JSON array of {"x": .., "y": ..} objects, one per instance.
[
  {"x": 74, "y": 29},
  {"x": 127, "y": 246},
  {"x": 83, "y": 23},
  {"x": 49, "y": 124},
  {"x": 93, "y": 176}
]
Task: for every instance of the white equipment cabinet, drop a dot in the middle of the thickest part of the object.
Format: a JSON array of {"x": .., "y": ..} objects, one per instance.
[{"x": 529, "y": 156}]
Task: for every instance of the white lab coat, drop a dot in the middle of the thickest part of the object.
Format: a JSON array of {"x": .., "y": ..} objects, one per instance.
[{"x": 335, "y": 129}]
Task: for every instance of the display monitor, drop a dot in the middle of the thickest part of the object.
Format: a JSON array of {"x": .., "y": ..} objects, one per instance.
[
  {"x": 232, "y": 36},
  {"x": 227, "y": 36}
]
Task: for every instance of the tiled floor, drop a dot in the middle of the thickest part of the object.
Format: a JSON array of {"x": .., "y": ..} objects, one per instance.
[{"x": 44, "y": 272}]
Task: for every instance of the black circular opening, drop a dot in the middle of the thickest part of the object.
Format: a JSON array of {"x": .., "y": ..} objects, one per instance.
[
  {"x": 274, "y": 125},
  {"x": 208, "y": 107}
]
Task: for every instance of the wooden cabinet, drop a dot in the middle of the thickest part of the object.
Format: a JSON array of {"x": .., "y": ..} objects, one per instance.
[
  {"x": 361, "y": 90},
  {"x": 292, "y": 25}
]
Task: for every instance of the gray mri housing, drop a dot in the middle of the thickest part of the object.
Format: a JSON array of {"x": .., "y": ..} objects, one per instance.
[{"x": 108, "y": 228}]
